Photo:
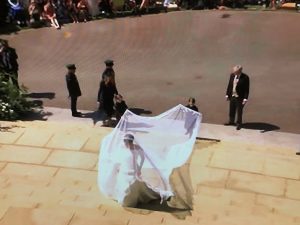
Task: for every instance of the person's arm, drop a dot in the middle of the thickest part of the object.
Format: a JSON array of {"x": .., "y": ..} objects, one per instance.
[
  {"x": 247, "y": 87},
  {"x": 139, "y": 166},
  {"x": 68, "y": 81},
  {"x": 229, "y": 87}
]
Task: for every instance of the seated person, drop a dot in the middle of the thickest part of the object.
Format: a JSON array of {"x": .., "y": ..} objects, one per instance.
[
  {"x": 191, "y": 105},
  {"x": 17, "y": 12},
  {"x": 61, "y": 11},
  {"x": 72, "y": 10},
  {"x": 49, "y": 13},
  {"x": 83, "y": 10},
  {"x": 34, "y": 12},
  {"x": 120, "y": 106},
  {"x": 106, "y": 6}
]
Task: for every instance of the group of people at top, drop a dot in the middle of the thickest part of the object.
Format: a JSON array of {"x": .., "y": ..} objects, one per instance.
[
  {"x": 53, "y": 11},
  {"x": 110, "y": 101}
]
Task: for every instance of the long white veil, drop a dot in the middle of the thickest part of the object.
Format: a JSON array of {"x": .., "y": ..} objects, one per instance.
[{"x": 166, "y": 140}]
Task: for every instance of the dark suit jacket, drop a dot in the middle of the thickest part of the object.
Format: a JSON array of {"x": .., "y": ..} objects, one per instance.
[
  {"x": 242, "y": 87},
  {"x": 73, "y": 85}
]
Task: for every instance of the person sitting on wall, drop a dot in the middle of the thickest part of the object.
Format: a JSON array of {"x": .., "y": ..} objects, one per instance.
[
  {"x": 34, "y": 13},
  {"x": 83, "y": 10},
  {"x": 17, "y": 12},
  {"x": 106, "y": 7},
  {"x": 49, "y": 13}
]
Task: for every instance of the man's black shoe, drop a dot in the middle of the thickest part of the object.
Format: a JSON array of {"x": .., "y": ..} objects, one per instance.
[
  {"x": 229, "y": 124},
  {"x": 239, "y": 126},
  {"x": 76, "y": 114}
]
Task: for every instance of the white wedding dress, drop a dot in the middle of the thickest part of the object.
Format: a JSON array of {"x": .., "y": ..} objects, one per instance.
[{"x": 161, "y": 144}]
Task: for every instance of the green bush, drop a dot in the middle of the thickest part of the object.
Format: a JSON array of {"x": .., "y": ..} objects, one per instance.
[{"x": 13, "y": 103}]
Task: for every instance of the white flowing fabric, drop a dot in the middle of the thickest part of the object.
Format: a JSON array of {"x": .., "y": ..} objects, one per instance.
[{"x": 161, "y": 143}]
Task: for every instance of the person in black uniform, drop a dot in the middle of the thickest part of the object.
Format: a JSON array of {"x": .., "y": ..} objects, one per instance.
[
  {"x": 237, "y": 94},
  {"x": 192, "y": 105},
  {"x": 106, "y": 93},
  {"x": 73, "y": 88},
  {"x": 8, "y": 62}
]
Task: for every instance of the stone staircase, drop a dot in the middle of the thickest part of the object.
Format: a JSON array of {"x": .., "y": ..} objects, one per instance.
[{"x": 48, "y": 175}]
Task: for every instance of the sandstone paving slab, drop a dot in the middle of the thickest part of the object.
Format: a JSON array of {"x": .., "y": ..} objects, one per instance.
[
  {"x": 80, "y": 160},
  {"x": 280, "y": 205},
  {"x": 68, "y": 140},
  {"x": 69, "y": 185},
  {"x": 2, "y": 165},
  {"x": 77, "y": 175},
  {"x": 10, "y": 136},
  {"x": 247, "y": 161},
  {"x": 264, "y": 148},
  {"x": 287, "y": 167},
  {"x": 23, "y": 154},
  {"x": 3, "y": 181},
  {"x": 202, "y": 175},
  {"x": 35, "y": 137},
  {"x": 274, "y": 218},
  {"x": 204, "y": 144},
  {"x": 50, "y": 196},
  {"x": 87, "y": 216},
  {"x": 25, "y": 216},
  {"x": 83, "y": 202},
  {"x": 31, "y": 181},
  {"x": 99, "y": 220},
  {"x": 3, "y": 210},
  {"x": 21, "y": 189},
  {"x": 201, "y": 157},
  {"x": 225, "y": 196},
  {"x": 256, "y": 183},
  {"x": 293, "y": 189},
  {"x": 95, "y": 168},
  {"x": 29, "y": 171},
  {"x": 180, "y": 217},
  {"x": 93, "y": 144},
  {"x": 135, "y": 218}
]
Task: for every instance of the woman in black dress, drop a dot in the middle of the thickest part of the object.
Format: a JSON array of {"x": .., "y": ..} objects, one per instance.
[{"x": 106, "y": 94}]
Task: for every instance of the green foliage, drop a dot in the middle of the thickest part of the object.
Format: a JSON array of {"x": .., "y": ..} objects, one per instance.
[{"x": 13, "y": 102}]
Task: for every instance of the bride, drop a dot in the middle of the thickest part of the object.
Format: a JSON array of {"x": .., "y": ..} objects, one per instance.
[
  {"x": 130, "y": 177},
  {"x": 139, "y": 156}
]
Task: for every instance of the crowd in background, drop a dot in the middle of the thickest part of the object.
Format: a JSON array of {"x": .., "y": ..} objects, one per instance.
[
  {"x": 53, "y": 12},
  {"x": 36, "y": 13}
]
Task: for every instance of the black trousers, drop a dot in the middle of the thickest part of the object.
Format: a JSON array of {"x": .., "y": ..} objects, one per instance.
[
  {"x": 74, "y": 104},
  {"x": 236, "y": 107}
]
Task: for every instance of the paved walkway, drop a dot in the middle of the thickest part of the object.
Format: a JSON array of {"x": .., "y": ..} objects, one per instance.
[
  {"x": 163, "y": 59},
  {"x": 48, "y": 172}
]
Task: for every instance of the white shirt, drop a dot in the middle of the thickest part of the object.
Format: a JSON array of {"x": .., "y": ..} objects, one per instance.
[{"x": 235, "y": 81}]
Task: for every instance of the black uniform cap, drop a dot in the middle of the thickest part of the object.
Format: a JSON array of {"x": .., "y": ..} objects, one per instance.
[
  {"x": 109, "y": 62},
  {"x": 71, "y": 66}
]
